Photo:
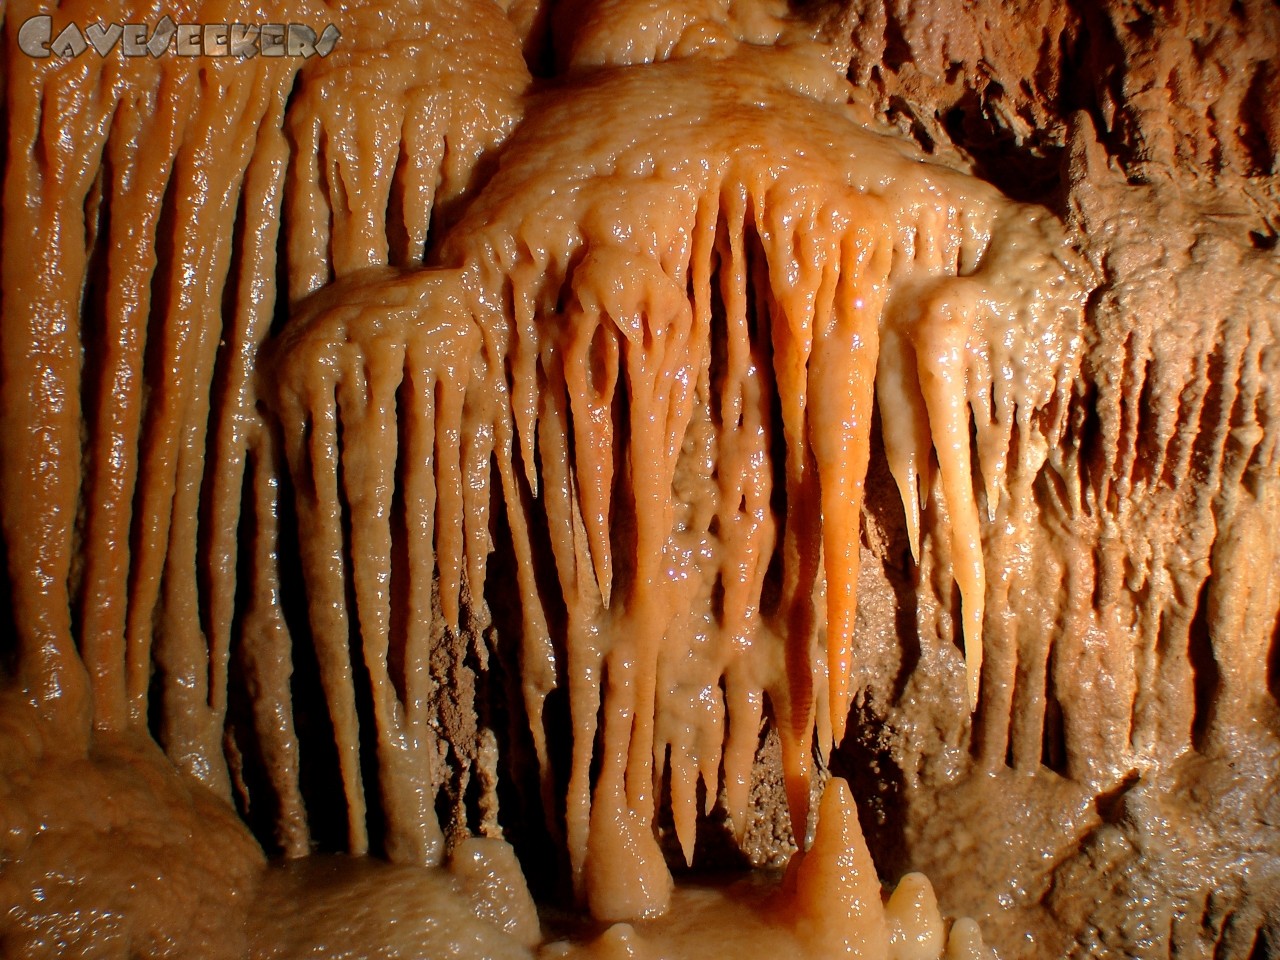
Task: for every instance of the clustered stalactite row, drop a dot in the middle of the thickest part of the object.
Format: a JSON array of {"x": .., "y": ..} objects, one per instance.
[
  {"x": 1158, "y": 676},
  {"x": 654, "y": 334},
  {"x": 151, "y": 194},
  {"x": 571, "y": 345}
]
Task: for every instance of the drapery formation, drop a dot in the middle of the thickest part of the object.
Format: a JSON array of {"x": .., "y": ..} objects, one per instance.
[{"x": 276, "y": 389}]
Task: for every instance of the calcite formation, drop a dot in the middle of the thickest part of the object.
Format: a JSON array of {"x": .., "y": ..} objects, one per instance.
[{"x": 611, "y": 427}]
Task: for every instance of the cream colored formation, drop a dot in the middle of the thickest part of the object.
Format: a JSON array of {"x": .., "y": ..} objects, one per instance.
[
  {"x": 655, "y": 332},
  {"x": 830, "y": 905},
  {"x": 844, "y": 267}
]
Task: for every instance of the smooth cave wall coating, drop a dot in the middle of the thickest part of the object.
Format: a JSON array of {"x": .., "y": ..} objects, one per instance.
[{"x": 596, "y": 424}]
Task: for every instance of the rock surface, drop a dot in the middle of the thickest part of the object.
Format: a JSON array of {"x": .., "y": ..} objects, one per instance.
[{"x": 178, "y": 569}]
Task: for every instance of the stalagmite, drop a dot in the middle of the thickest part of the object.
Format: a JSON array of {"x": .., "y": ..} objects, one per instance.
[
  {"x": 916, "y": 930},
  {"x": 965, "y": 942},
  {"x": 837, "y": 892}
]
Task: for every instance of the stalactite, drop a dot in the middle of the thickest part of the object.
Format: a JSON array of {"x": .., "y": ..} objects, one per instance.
[
  {"x": 190, "y": 656},
  {"x": 45, "y": 210},
  {"x": 267, "y": 655},
  {"x": 398, "y": 355},
  {"x": 390, "y": 130},
  {"x": 895, "y": 282},
  {"x": 807, "y": 280},
  {"x": 649, "y": 312},
  {"x": 142, "y": 149}
]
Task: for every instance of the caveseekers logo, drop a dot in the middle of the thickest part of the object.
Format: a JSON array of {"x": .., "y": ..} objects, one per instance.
[{"x": 244, "y": 40}]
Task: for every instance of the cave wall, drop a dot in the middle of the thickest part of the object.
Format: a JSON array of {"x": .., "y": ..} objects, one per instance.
[
  {"x": 1128, "y": 712},
  {"x": 1136, "y": 677}
]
